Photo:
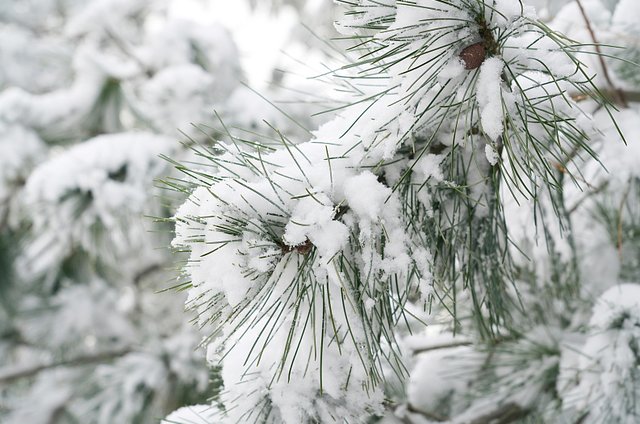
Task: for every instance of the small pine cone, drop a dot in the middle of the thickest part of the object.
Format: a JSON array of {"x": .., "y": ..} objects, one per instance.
[
  {"x": 472, "y": 56},
  {"x": 305, "y": 247}
]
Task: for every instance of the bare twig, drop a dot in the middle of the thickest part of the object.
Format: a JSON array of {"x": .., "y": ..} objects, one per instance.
[
  {"x": 631, "y": 96},
  {"x": 443, "y": 346},
  {"x": 618, "y": 94},
  {"x": 10, "y": 374},
  {"x": 586, "y": 196},
  {"x": 145, "y": 273}
]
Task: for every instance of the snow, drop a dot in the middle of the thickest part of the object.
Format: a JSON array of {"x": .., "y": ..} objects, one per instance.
[
  {"x": 619, "y": 302},
  {"x": 288, "y": 199},
  {"x": 626, "y": 15},
  {"x": 102, "y": 181},
  {"x": 330, "y": 239},
  {"x": 85, "y": 310},
  {"x": 603, "y": 377},
  {"x": 492, "y": 154},
  {"x": 366, "y": 196},
  {"x": 20, "y": 150},
  {"x": 47, "y": 395},
  {"x": 103, "y": 15},
  {"x": 504, "y": 12},
  {"x": 32, "y": 63},
  {"x": 183, "y": 41},
  {"x": 260, "y": 41},
  {"x": 314, "y": 206},
  {"x": 353, "y": 24},
  {"x": 196, "y": 414},
  {"x": 307, "y": 217},
  {"x": 428, "y": 166},
  {"x": 489, "y": 96},
  {"x": 129, "y": 378},
  {"x": 438, "y": 375},
  {"x": 539, "y": 53},
  {"x": 178, "y": 96}
]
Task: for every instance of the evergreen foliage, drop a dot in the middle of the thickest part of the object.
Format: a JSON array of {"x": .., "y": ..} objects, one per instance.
[{"x": 432, "y": 253}]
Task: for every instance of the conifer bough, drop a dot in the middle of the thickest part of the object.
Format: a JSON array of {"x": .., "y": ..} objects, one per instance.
[{"x": 311, "y": 262}]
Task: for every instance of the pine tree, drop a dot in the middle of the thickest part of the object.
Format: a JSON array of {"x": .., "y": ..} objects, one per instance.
[{"x": 450, "y": 247}]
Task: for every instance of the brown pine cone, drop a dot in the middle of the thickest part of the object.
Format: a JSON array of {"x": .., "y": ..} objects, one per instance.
[{"x": 472, "y": 56}]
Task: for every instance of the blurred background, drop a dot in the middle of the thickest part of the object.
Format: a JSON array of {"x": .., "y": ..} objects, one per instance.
[
  {"x": 95, "y": 96},
  {"x": 97, "y": 99}
]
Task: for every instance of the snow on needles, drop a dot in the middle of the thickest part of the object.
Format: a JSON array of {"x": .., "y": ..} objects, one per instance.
[
  {"x": 489, "y": 96},
  {"x": 302, "y": 259}
]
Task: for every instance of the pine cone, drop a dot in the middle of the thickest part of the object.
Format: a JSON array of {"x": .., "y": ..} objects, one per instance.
[{"x": 472, "y": 56}]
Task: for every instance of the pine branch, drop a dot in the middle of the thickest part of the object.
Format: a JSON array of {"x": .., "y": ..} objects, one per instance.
[{"x": 10, "y": 374}]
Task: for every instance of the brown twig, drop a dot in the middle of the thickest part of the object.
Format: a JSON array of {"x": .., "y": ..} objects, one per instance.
[
  {"x": 630, "y": 96},
  {"x": 586, "y": 196},
  {"x": 145, "y": 273},
  {"x": 10, "y": 374},
  {"x": 618, "y": 94}
]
